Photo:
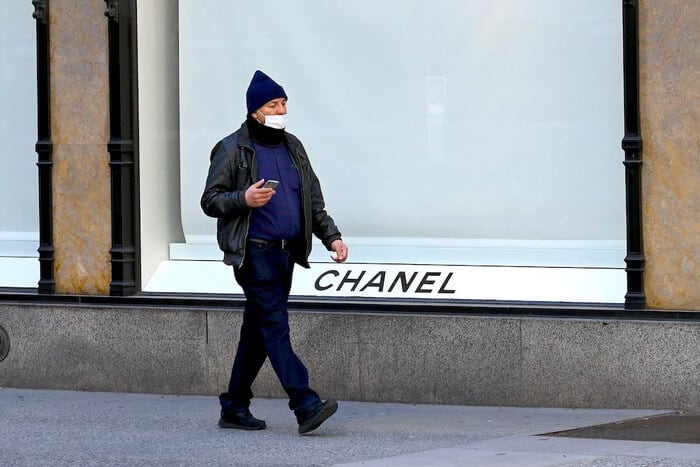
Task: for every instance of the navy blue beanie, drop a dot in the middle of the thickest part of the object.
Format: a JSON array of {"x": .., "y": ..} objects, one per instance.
[{"x": 262, "y": 89}]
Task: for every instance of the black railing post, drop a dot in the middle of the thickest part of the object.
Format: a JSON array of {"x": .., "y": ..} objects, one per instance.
[
  {"x": 635, "y": 298},
  {"x": 44, "y": 149},
  {"x": 122, "y": 146}
]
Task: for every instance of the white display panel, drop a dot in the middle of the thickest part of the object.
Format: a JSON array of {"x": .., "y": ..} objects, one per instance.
[
  {"x": 19, "y": 191},
  {"x": 361, "y": 280}
]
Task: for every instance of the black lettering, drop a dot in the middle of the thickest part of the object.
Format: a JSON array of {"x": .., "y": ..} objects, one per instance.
[
  {"x": 444, "y": 284},
  {"x": 318, "y": 285},
  {"x": 426, "y": 281},
  {"x": 347, "y": 279},
  {"x": 376, "y": 281},
  {"x": 405, "y": 285}
]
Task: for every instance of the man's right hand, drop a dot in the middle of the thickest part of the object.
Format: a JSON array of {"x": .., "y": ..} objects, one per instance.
[{"x": 257, "y": 196}]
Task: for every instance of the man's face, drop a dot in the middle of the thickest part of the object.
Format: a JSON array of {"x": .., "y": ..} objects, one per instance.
[{"x": 274, "y": 107}]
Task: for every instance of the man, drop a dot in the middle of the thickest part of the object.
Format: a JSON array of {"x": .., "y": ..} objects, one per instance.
[{"x": 263, "y": 231}]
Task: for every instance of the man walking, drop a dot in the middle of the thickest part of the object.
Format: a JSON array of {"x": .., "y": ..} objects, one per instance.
[{"x": 267, "y": 201}]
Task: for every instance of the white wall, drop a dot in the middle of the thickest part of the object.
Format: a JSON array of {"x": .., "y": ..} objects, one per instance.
[
  {"x": 19, "y": 192},
  {"x": 19, "y": 184},
  {"x": 159, "y": 142},
  {"x": 492, "y": 119}
]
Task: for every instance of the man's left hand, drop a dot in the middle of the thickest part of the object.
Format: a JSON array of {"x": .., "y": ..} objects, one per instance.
[{"x": 340, "y": 251}]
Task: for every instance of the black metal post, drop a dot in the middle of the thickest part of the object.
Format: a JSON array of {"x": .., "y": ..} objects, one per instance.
[
  {"x": 635, "y": 298},
  {"x": 44, "y": 149},
  {"x": 122, "y": 146}
]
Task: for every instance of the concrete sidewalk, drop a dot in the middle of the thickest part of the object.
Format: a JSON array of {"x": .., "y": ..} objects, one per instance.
[{"x": 39, "y": 427}]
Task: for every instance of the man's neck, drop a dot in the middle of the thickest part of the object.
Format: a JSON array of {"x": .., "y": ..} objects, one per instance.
[{"x": 263, "y": 134}]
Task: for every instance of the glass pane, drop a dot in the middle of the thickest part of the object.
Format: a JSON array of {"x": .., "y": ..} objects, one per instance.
[
  {"x": 19, "y": 211},
  {"x": 480, "y": 133}
]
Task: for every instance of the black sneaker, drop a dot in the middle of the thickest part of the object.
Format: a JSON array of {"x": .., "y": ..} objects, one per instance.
[
  {"x": 242, "y": 420},
  {"x": 315, "y": 415}
]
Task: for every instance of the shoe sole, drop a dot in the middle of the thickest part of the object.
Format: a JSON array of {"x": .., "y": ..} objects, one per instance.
[
  {"x": 315, "y": 421},
  {"x": 224, "y": 424}
]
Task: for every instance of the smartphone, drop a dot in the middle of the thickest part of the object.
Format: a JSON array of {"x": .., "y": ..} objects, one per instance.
[{"x": 271, "y": 184}]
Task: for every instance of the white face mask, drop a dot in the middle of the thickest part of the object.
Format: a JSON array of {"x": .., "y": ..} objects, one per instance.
[{"x": 278, "y": 122}]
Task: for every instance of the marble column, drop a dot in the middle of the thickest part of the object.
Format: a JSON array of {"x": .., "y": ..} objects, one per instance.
[
  {"x": 670, "y": 108},
  {"x": 80, "y": 129}
]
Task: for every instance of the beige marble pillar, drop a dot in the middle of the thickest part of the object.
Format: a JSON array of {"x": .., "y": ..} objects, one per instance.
[
  {"x": 80, "y": 131},
  {"x": 669, "y": 58}
]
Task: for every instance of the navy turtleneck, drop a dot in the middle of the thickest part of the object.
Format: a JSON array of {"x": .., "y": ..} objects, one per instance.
[{"x": 280, "y": 218}]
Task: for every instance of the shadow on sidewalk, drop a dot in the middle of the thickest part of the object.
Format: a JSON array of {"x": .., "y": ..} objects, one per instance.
[{"x": 677, "y": 427}]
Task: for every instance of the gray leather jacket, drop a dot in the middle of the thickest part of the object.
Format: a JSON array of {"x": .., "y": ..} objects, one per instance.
[{"x": 232, "y": 170}]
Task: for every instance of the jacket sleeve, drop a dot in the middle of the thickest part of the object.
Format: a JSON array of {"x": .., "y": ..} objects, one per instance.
[
  {"x": 323, "y": 225},
  {"x": 221, "y": 199}
]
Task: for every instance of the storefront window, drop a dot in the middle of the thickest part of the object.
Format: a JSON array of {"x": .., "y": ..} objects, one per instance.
[
  {"x": 467, "y": 149},
  {"x": 19, "y": 212}
]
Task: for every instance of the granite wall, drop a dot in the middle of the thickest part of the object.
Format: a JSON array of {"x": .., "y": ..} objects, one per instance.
[
  {"x": 80, "y": 131},
  {"x": 670, "y": 109},
  {"x": 472, "y": 360}
]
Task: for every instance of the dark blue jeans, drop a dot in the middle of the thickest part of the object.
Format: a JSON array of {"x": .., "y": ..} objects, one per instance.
[{"x": 266, "y": 278}]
